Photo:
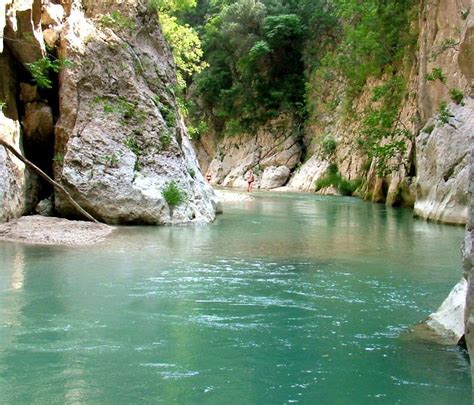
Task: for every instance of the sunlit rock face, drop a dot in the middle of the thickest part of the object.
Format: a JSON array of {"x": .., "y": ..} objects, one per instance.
[
  {"x": 443, "y": 167},
  {"x": 272, "y": 154},
  {"x": 110, "y": 120},
  {"x": 468, "y": 251},
  {"x": 119, "y": 133}
]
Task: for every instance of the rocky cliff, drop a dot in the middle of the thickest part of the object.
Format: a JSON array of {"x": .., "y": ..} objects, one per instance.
[
  {"x": 435, "y": 116},
  {"x": 468, "y": 252},
  {"x": 273, "y": 152},
  {"x": 88, "y": 95}
]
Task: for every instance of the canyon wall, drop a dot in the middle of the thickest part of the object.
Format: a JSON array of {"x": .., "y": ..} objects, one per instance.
[{"x": 436, "y": 117}]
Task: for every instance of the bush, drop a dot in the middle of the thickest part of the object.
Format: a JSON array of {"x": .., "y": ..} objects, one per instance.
[
  {"x": 456, "y": 95},
  {"x": 328, "y": 145},
  {"x": 436, "y": 74},
  {"x": 42, "y": 68},
  {"x": 116, "y": 20},
  {"x": 173, "y": 195},
  {"x": 334, "y": 178},
  {"x": 444, "y": 113},
  {"x": 429, "y": 129}
]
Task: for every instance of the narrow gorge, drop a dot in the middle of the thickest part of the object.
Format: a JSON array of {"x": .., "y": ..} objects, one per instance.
[{"x": 153, "y": 112}]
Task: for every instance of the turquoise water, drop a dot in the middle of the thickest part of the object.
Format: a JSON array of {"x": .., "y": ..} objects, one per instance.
[{"x": 285, "y": 299}]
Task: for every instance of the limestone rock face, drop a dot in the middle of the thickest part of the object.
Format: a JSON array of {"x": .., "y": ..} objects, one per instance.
[
  {"x": 276, "y": 145},
  {"x": 468, "y": 252},
  {"x": 447, "y": 323},
  {"x": 13, "y": 176},
  {"x": 443, "y": 159},
  {"x": 306, "y": 176},
  {"x": 120, "y": 136},
  {"x": 23, "y": 26}
]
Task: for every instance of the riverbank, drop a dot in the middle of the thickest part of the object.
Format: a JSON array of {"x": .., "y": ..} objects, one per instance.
[
  {"x": 40, "y": 230},
  {"x": 226, "y": 195}
]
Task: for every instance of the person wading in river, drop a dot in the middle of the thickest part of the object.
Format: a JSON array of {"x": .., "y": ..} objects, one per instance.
[{"x": 250, "y": 179}]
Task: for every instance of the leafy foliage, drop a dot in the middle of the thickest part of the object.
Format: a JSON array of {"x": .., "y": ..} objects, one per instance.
[
  {"x": 333, "y": 178},
  {"x": 42, "y": 69},
  {"x": 436, "y": 74},
  {"x": 375, "y": 36},
  {"x": 383, "y": 136},
  {"x": 444, "y": 113},
  {"x": 328, "y": 145},
  {"x": 255, "y": 52},
  {"x": 173, "y": 195},
  {"x": 116, "y": 20},
  {"x": 456, "y": 95},
  {"x": 186, "y": 48}
]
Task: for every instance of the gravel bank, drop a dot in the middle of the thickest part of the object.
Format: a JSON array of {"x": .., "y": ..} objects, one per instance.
[{"x": 36, "y": 229}]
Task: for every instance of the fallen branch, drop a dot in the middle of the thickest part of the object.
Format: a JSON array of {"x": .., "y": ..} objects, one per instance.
[{"x": 48, "y": 179}]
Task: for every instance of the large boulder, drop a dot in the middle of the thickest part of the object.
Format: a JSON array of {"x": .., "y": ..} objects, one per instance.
[
  {"x": 306, "y": 176},
  {"x": 120, "y": 138},
  {"x": 274, "y": 177}
]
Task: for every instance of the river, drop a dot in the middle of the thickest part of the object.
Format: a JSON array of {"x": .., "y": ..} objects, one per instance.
[{"x": 291, "y": 298}]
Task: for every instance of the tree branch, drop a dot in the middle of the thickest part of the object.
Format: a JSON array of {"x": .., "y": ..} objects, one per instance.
[{"x": 56, "y": 185}]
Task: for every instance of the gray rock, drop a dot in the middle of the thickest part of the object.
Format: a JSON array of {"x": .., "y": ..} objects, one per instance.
[
  {"x": 45, "y": 208},
  {"x": 119, "y": 131},
  {"x": 23, "y": 30},
  {"x": 446, "y": 325},
  {"x": 274, "y": 177},
  {"x": 306, "y": 176},
  {"x": 468, "y": 253},
  {"x": 53, "y": 14},
  {"x": 275, "y": 145},
  {"x": 443, "y": 158},
  {"x": 13, "y": 175}
]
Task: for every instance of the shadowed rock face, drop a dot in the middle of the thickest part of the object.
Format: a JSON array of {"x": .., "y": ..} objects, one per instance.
[{"x": 20, "y": 43}]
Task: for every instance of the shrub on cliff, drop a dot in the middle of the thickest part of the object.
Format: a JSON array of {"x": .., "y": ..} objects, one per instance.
[{"x": 173, "y": 195}]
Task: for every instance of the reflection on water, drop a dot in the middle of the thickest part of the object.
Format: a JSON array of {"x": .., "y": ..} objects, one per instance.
[
  {"x": 288, "y": 298},
  {"x": 18, "y": 274}
]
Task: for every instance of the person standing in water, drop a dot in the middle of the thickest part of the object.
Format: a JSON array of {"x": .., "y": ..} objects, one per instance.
[{"x": 250, "y": 179}]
